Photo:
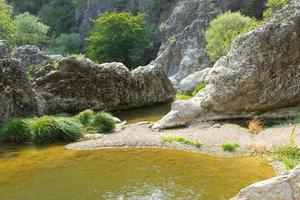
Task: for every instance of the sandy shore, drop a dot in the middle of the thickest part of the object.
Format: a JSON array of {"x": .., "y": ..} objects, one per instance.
[{"x": 210, "y": 136}]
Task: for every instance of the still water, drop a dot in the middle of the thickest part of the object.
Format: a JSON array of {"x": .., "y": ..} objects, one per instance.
[{"x": 53, "y": 173}]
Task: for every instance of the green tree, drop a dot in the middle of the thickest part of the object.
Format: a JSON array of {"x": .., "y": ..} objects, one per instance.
[
  {"x": 223, "y": 30},
  {"x": 29, "y": 30},
  {"x": 7, "y": 26},
  {"x": 273, "y": 6},
  {"x": 120, "y": 37},
  {"x": 66, "y": 44},
  {"x": 31, "y": 6}
]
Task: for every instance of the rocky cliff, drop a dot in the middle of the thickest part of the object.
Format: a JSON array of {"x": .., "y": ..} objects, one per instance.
[
  {"x": 261, "y": 72},
  {"x": 77, "y": 85}
]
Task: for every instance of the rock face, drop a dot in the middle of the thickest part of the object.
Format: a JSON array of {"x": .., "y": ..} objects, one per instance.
[
  {"x": 82, "y": 84},
  {"x": 30, "y": 55},
  {"x": 285, "y": 187},
  {"x": 261, "y": 72},
  {"x": 188, "y": 84},
  {"x": 16, "y": 94},
  {"x": 4, "y": 49}
]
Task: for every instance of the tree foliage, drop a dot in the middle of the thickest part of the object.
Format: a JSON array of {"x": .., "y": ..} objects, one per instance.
[
  {"x": 120, "y": 37},
  {"x": 29, "y": 30},
  {"x": 66, "y": 44},
  {"x": 7, "y": 26},
  {"x": 223, "y": 30},
  {"x": 273, "y": 6}
]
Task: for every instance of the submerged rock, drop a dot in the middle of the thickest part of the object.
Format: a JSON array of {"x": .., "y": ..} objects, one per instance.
[
  {"x": 285, "y": 187},
  {"x": 261, "y": 72},
  {"x": 82, "y": 84},
  {"x": 16, "y": 95}
]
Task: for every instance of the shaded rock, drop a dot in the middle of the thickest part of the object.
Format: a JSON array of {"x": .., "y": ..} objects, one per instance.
[
  {"x": 4, "y": 49},
  {"x": 30, "y": 55},
  {"x": 43, "y": 71},
  {"x": 285, "y": 187},
  {"x": 261, "y": 72},
  {"x": 82, "y": 84},
  {"x": 16, "y": 95},
  {"x": 188, "y": 84}
]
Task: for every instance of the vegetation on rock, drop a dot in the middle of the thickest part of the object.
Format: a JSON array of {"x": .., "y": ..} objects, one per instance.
[
  {"x": 223, "y": 30},
  {"x": 199, "y": 88},
  {"x": 273, "y": 6},
  {"x": 119, "y": 37}
]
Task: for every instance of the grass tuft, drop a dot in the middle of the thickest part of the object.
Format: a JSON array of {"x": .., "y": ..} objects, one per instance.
[
  {"x": 288, "y": 153},
  {"x": 15, "y": 130},
  {"x": 86, "y": 117},
  {"x": 181, "y": 96},
  {"x": 49, "y": 129},
  {"x": 104, "y": 122},
  {"x": 230, "y": 147},
  {"x": 181, "y": 140},
  {"x": 199, "y": 88}
]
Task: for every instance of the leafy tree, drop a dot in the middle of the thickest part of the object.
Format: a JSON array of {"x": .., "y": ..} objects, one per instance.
[
  {"x": 60, "y": 15},
  {"x": 161, "y": 5},
  {"x": 31, "y": 6},
  {"x": 120, "y": 37},
  {"x": 273, "y": 6},
  {"x": 223, "y": 30},
  {"x": 29, "y": 30},
  {"x": 7, "y": 26},
  {"x": 66, "y": 44}
]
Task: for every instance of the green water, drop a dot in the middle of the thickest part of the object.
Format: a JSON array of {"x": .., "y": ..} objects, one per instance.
[
  {"x": 52, "y": 173},
  {"x": 150, "y": 114}
]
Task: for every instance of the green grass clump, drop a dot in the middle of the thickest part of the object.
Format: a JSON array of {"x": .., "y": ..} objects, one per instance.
[
  {"x": 49, "y": 129},
  {"x": 199, "y": 88},
  {"x": 86, "y": 117},
  {"x": 181, "y": 140},
  {"x": 288, "y": 153},
  {"x": 104, "y": 122},
  {"x": 183, "y": 96},
  {"x": 15, "y": 130},
  {"x": 230, "y": 147},
  {"x": 297, "y": 119}
]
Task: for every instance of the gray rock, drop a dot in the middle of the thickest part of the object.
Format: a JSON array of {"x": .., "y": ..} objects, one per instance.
[
  {"x": 285, "y": 187},
  {"x": 4, "y": 49},
  {"x": 188, "y": 84},
  {"x": 16, "y": 95},
  {"x": 261, "y": 72},
  {"x": 31, "y": 55},
  {"x": 82, "y": 84}
]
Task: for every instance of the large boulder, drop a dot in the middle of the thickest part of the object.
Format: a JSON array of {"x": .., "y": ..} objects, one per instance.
[
  {"x": 261, "y": 72},
  {"x": 30, "y": 55},
  {"x": 285, "y": 187},
  {"x": 82, "y": 84},
  {"x": 4, "y": 49},
  {"x": 16, "y": 95}
]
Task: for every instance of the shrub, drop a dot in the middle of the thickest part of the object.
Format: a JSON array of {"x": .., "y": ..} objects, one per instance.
[
  {"x": 7, "y": 26},
  {"x": 288, "y": 153},
  {"x": 86, "y": 117},
  {"x": 66, "y": 44},
  {"x": 230, "y": 147},
  {"x": 223, "y": 30},
  {"x": 120, "y": 37},
  {"x": 199, "y": 88},
  {"x": 273, "y": 6},
  {"x": 49, "y": 129},
  {"x": 181, "y": 140},
  {"x": 29, "y": 30},
  {"x": 15, "y": 130},
  {"x": 104, "y": 122}
]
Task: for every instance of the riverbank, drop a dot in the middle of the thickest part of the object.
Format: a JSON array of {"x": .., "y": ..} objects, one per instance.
[{"x": 210, "y": 136}]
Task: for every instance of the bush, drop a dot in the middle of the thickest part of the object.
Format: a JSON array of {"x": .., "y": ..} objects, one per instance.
[
  {"x": 29, "y": 30},
  {"x": 7, "y": 26},
  {"x": 49, "y": 129},
  {"x": 199, "y": 88},
  {"x": 273, "y": 6},
  {"x": 119, "y": 37},
  {"x": 66, "y": 44},
  {"x": 223, "y": 30},
  {"x": 15, "y": 130},
  {"x": 86, "y": 117},
  {"x": 230, "y": 147},
  {"x": 104, "y": 122},
  {"x": 182, "y": 141}
]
